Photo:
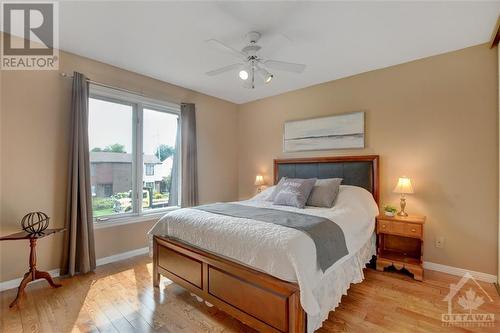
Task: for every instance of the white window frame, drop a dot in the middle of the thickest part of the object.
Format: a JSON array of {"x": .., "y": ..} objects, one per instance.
[{"x": 138, "y": 103}]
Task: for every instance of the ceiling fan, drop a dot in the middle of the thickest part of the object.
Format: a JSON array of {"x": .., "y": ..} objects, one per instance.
[{"x": 252, "y": 66}]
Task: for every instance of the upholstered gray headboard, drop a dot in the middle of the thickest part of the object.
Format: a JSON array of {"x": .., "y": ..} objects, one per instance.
[{"x": 355, "y": 170}]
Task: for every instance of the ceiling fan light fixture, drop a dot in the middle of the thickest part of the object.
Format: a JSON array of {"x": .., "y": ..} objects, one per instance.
[
  {"x": 243, "y": 74},
  {"x": 266, "y": 76}
]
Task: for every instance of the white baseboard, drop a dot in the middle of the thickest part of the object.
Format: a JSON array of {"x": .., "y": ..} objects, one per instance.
[
  {"x": 460, "y": 272},
  {"x": 5, "y": 285},
  {"x": 122, "y": 256}
]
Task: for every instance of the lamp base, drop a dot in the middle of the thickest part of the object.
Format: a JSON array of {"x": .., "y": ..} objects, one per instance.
[{"x": 403, "y": 206}]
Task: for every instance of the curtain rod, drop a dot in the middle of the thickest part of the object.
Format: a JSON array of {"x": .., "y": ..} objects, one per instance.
[{"x": 65, "y": 75}]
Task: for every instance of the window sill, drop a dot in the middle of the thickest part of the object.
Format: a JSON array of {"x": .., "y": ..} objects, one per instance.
[{"x": 117, "y": 221}]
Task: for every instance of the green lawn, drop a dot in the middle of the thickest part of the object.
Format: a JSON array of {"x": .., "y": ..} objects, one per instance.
[{"x": 103, "y": 212}]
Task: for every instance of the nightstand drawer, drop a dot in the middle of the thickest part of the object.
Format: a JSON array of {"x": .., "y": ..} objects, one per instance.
[
  {"x": 413, "y": 230},
  {"x": 400, "y": 228},
  {"x": 391, "y": 227}
]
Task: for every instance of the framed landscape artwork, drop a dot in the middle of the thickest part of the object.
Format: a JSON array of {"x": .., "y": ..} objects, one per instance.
[{"x": 341, "y": 131}]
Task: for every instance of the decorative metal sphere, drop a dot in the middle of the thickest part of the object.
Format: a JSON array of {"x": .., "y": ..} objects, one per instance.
[{"x": 35, "y": 223}]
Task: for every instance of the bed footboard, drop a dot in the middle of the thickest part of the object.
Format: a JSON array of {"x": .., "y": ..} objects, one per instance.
[{"x": 259, "y": 300}]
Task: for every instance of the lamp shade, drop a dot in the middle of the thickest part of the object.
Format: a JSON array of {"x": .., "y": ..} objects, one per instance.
[
  {"x": 259, "y": 180},
  {"x": 404, "y": 186}
]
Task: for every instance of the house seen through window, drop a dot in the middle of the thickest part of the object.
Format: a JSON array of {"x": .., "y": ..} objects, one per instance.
[{"x": 133, "y": 156}]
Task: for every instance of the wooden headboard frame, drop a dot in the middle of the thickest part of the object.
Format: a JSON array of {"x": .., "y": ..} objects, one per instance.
[{"x": 364, "y": 158}]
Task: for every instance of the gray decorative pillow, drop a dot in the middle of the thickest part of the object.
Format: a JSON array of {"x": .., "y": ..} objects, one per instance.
[
  {"x": 294, "y": 192},
  {"x": 324, "y": 192},
  {"x": 276, "y": 189}
]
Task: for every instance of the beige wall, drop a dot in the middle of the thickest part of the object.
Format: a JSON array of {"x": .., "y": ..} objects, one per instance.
[
  {"x": 34, "y": 147},
  {"x": 434, "y": 120}
]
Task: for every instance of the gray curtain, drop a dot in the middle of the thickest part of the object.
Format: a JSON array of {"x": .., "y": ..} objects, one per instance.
[
  {"x": 189, "y": 156},
  {"x": 79, "y": 251}
]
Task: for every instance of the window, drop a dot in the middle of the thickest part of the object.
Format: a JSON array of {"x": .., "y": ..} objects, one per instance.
[
  {"x": 110, "y": 143},
  {"x": 159, "y": 146},
  {"x": 134, "y": 154},
  {"x": 107, "y": 189},
  {"x": 150, "y": 169}
]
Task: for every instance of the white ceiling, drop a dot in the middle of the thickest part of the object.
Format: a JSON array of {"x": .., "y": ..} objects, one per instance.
[{"x": 166, "y": 40}]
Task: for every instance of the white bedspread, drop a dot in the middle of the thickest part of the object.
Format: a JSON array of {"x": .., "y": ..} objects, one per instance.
[{"x": 283, "y": 252}]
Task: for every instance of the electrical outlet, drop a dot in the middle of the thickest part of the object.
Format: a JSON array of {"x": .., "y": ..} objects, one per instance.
[{"x": 440, "y": 242}]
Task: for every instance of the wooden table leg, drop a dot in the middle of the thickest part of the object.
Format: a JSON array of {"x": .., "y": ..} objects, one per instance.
[
  {"x": 28, "y": 277},
  {"x": 46, "y": 276},
  {"x": 32, "y": 275}
]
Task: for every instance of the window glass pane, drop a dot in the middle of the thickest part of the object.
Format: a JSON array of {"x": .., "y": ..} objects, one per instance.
[
  {"x": 160, "y": 159},
  {"x": 110, "y": 144}
]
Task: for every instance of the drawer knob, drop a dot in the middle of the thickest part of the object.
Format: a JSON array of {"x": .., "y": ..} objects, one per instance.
[
  {"x": 413, "y": 230},
  {"x": 384, "y": 226}
]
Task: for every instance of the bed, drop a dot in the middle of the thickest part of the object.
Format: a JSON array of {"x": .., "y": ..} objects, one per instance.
[{"x": 263, "y": 274}]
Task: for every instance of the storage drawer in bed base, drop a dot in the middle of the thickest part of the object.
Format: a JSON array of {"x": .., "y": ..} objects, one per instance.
[{"x": 255, "y": 298}]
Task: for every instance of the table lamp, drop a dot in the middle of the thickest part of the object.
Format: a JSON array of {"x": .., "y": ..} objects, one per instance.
[
  {"x": 259, "y": 182},
  {"x": 403, "y": 187}
]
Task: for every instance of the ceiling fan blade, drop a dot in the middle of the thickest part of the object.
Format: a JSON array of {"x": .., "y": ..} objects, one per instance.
[
  {"x": 220, "y": 45},
  {"x": 224, "y": 69},
  {"x": 285, "y": 66}
]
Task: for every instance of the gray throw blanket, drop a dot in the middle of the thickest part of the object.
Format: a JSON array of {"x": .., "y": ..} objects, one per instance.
[{"x": 326, "y": 234}]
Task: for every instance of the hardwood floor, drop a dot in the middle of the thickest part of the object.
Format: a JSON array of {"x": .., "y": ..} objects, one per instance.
[{"x": 119, "y": 297}]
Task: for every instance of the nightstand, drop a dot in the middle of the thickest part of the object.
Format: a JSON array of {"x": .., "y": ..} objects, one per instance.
[{"x": 400, "y": 243}]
